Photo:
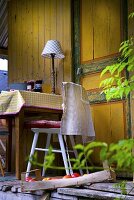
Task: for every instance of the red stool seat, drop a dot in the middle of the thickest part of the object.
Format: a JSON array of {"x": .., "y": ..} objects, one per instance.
[{"x": 42, "y": 124}]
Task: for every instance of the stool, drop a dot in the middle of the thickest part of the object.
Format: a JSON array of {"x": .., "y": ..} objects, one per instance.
[
  {"x": 76, "y": 120},
  {"x": 49, "y": 128}
]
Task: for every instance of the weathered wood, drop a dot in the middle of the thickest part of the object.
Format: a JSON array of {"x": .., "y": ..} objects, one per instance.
[
  {"x": 52, "y": 184},
  {"x": 56, "y": 195},
  {"x": 15, "y": 196},
  {"x": 110, "y": 187},
  {"x": 87, "y": 193}
]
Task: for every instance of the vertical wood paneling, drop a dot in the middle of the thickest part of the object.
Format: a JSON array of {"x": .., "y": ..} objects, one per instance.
[
  {"x": 10, "y": 36},
  {"x": 108, "y": 121},
  {"x": 14, "y": 43},
  {"x": 100, "y": 28},
  {"x": 67, "y": 40},
  {"x": 24, "y": 43},
  {"x": 106, "y": 27},
  {"x": 19, "y": 40},
  {"x": 35, "y": 46},
  {"x": 117, "y": 115},
  {"x": 41, "y": 38},
  {"x": 86, "y": 30},
  {"x": 29, "y": 73},
  {"x": 37, "y": 22},
  {"x": 53, "y": 25},
  {"x": 60, "y": 37},
  {"x": 47, "y": 37}
]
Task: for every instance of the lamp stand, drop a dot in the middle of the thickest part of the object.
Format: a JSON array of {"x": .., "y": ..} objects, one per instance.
[{"x": 53, "y": 74}]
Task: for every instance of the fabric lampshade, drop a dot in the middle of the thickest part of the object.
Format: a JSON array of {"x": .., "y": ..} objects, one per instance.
[{"x": 53, "y": 47}]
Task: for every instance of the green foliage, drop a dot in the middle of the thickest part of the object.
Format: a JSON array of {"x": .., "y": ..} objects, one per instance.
[
  {"x": 120, "y": 154},
  {"x": 85, "y": 153},
  {"x": 49, "y": 159},
  {"x": 119, "y": 85}
]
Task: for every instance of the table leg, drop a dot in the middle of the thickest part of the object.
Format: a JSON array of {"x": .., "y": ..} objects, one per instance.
[
  {"x": 19, "y": 140},
  {"x": 9, "y": 149}
]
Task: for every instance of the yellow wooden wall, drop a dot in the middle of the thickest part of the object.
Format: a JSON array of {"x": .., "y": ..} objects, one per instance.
[
  {"x": 108, "y": 118},
  {"x": 31, "y": 23},
  {"x": 100, "y": 37},
  {"x": 100, "y": 28}
]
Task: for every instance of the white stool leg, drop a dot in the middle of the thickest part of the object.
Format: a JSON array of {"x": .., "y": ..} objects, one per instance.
[
  {"x": 47, "y": 147},
  {"x": 68, "y": 157},
  {"x": 75, "y": 151},
  {"x": 35, "y": 139},
  {"x": 62, "y": 146}
]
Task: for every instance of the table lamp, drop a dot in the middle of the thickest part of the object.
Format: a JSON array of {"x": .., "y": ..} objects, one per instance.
[{"x": 53, "y": 50}]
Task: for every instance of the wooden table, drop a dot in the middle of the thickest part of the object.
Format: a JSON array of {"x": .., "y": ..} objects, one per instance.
[{"x": 36, "y": 104}]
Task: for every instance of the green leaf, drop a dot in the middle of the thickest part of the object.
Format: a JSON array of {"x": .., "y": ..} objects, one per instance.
[
  {"x": 122, "y": 67},
  {"x": 105, "y": 70},
  {"x": 131, "y": 15},
  {"x": 130, "y": 67},
  {"x": 79, "y": 147}
]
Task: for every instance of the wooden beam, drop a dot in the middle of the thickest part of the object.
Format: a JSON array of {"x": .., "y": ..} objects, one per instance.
[{"x": 53, "y": 184}]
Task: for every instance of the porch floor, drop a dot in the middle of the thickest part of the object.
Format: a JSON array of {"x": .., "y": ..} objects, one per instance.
[{"x": 10, "y": 189}]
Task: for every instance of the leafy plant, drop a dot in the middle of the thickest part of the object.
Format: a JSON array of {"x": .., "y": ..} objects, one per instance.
[
  {"x": 119, "y": 154},
  {"x": 84, "y": 155},
  {"x": 119, "y": 83}
]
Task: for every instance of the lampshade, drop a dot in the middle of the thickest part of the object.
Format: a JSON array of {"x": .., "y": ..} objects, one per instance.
[{"x": 53, "y": 47}]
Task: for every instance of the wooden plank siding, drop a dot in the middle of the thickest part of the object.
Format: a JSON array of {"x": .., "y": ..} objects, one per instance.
[
  {"x": 97, "y": 40},
  {"x": 100, "y": 27},
  {"x": 31, "y": 24},
  {"x": 109, "y": 123}
]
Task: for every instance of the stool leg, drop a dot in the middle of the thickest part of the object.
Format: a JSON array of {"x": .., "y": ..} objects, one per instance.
[
  {"x": 32, "y": 151},
  {"x": 47, "y": 146},
  {"x": 62, "y": 146},
  {"x": 68, "y": 157},
  {"x": 75, "y": 151}
]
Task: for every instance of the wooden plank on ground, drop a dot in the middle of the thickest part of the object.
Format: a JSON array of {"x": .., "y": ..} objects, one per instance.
[
  {"x": 82, "y": 180},
  {"x": 92, "y": 194},
  {"x": 55, "y": 195},
  {"x": 110, "y": 187}
]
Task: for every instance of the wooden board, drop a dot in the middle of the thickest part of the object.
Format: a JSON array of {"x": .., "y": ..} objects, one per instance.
[{"x": 53, "y": 184}]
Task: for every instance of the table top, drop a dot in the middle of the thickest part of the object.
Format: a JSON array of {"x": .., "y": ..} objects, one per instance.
[{"x": 12, "y": 102}]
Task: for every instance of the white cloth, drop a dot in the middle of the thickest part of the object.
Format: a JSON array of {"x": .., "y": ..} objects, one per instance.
[
  {"x": 10, "y": 102},
  {"x": 76, "y": 119}
]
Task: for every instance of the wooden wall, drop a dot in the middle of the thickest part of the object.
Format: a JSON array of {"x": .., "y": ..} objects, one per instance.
[
  {"x": 31, "y": 23},
  {"x": 102, "y": 28}
]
